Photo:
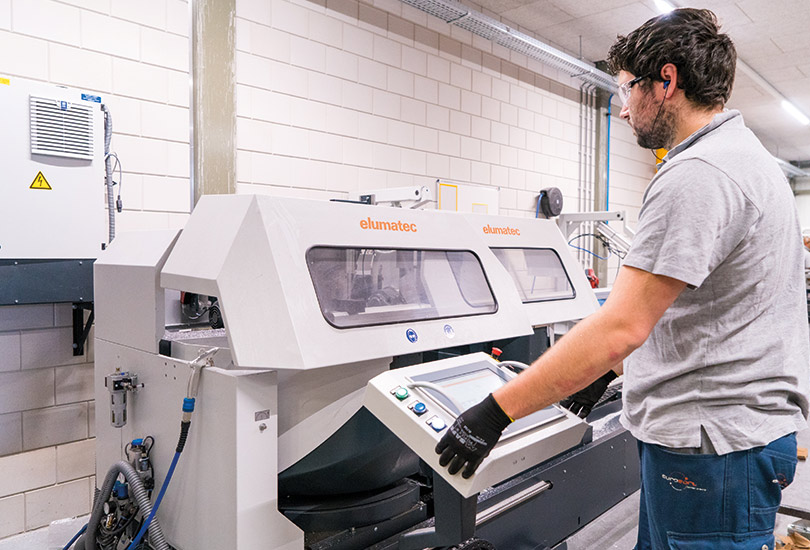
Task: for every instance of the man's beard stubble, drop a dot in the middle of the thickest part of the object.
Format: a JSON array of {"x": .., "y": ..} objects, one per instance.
[{"x": 661, "y": 132}]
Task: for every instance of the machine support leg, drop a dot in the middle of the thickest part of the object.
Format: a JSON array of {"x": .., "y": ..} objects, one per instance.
[
  {"x": 455, "y": 519},
  {"x": 80, "y": 330}
]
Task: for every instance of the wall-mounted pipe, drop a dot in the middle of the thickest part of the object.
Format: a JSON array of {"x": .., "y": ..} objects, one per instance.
[{"x": 607, "y": 157}]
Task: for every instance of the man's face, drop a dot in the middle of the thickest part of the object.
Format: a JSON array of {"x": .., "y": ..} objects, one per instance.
[{"x": 650, "y": 117}]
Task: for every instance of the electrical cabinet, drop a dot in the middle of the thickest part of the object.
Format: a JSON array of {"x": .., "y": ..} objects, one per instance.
[{"x": 53, "y": 219}]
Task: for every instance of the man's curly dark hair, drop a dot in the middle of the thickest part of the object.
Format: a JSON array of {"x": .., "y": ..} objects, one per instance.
[{"x": 691, "y": 40}]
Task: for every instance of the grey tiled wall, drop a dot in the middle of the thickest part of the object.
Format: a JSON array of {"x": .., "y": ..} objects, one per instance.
[{"x": 46, "y": 454}]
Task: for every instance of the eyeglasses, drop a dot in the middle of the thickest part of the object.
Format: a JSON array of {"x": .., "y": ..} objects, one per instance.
[{"x": 624, "y": 89}]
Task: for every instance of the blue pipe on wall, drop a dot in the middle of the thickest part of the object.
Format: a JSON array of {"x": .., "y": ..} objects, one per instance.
[{"x": 607, "y": 179}]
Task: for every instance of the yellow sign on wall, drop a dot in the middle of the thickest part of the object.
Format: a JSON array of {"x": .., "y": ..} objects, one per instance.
[{"x": 40, "y": 183}]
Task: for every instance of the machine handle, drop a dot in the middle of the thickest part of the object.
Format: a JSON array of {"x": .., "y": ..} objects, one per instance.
[{"x": 515, "y": 500}]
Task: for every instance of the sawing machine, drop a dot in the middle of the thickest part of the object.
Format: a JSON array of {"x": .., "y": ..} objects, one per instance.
[{"x": 353, "y": 335}]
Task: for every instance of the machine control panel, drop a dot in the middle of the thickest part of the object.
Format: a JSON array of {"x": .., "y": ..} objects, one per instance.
[{"x": 418, "y": 403}]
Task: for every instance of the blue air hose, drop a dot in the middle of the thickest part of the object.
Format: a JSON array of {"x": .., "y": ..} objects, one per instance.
[
  {"x": 75, "y": 537},
  {"x": 188, "y": 408}
]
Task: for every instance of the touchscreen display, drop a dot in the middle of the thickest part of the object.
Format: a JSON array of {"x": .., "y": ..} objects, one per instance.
[{"x": 471, "y": 387}]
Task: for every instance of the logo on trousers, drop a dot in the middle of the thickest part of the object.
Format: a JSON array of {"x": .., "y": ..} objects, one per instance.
[{"x": 681, "y": 482}]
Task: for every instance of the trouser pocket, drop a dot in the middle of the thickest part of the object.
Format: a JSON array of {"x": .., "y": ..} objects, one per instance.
[
  {"x": 772, "y": 469},
  {"x": 721, "y": 541}
]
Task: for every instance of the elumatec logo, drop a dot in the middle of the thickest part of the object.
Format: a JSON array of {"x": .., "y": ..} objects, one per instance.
[
  {"x": 398, "y": 225},
  {"x": 489, "y": 230}
]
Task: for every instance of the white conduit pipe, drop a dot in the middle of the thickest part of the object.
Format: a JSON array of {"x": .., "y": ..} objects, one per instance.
[{"x": 582, "y": 161}]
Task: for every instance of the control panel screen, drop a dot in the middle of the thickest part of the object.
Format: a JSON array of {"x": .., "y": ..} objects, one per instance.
[{"x": 471, "y": 387}]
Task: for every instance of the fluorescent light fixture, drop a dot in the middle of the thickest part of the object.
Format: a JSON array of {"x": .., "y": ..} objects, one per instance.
[
  {"x": 664, "y": 6},
  {"x": 795, "y": 112}
]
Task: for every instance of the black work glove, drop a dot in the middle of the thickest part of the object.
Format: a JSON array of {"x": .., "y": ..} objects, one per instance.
[
  {"x": 472, "y": 436},
  {"x": 583, "y": 401}
]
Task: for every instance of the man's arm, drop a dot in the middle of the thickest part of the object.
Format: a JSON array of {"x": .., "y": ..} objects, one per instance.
[
  {"x": 589, "y": 350},
  {"x": 595, "y": 345}
]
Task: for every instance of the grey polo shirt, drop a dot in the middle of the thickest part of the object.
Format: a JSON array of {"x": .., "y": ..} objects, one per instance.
[{"x": 731, "y": 354}]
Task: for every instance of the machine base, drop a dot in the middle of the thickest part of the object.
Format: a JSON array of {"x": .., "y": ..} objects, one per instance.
[
  {"x": 320, "y": 514},
  {"x": 370, "y": 535},
  {"x": 585, "y": 482}
]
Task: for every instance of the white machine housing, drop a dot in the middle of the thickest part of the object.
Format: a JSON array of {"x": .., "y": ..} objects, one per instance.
[
  {"x": 236, "y": 242},
  {"x": 551, "y": 282},
  {"x": 57, "y": 132},
  {"x": 286, "y": 378}
]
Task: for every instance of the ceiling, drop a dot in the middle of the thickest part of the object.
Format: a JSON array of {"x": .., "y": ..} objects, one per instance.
[{"x": 771, "y": 36}]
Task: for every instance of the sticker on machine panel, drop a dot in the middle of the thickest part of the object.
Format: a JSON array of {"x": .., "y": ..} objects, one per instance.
[
  {"x": 412, "y": 336},
  {"x": 449, "y": 331},
  {"x": 5, "y": 81},
  {"x": 93, "y": 98},
  {"x": 63, "y": 105},
  {"x": 40, "y": 183}
]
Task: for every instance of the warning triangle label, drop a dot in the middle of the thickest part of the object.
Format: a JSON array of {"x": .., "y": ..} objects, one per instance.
[{"x": 40, "y": 183}]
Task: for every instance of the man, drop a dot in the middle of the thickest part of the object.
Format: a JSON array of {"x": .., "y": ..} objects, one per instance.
[{"x": 708, "y": 309}]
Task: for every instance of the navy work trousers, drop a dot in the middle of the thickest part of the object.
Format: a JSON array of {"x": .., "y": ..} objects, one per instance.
[{"x": 712, "y": 502}]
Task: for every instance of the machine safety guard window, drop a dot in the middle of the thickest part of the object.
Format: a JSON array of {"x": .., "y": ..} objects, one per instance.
[
  {"x": 359, "y": 287},
  {"x": 538, "y": 273}
]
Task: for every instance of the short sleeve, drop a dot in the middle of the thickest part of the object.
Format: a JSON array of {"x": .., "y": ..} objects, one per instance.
[{"x": 692, "y": 218}]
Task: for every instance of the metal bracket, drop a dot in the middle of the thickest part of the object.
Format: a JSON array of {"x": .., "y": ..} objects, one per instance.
[
  {"x": 568, "y": 222},
  {"x": 414, "y": 196},
  {"x": 81, "y": 330},
  {"x": 454, "y": 515}
]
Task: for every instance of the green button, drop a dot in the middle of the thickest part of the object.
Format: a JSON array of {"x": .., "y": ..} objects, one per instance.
[{"x": 402, "y": 393}]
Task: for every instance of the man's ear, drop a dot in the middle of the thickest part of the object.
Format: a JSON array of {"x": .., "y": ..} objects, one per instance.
[{"x": 669, "y": 74}]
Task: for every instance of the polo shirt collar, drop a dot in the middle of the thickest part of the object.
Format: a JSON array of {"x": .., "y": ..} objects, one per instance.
[{"x": 718, "y": 120}]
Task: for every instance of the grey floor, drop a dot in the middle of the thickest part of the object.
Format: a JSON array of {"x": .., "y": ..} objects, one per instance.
[{"x": 616, "y": 529}]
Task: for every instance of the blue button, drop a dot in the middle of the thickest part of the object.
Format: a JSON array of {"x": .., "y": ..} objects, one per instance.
[
  {"x": 419, "y": 408},
  {"x": 437, "y": 423}
]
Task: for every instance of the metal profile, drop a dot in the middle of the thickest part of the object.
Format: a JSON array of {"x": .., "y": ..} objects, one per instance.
[{"x": 458, "y": 14}]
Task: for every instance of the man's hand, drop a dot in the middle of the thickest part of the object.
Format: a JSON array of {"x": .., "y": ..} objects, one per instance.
[
  {"x": 583, "y": 401},
  {"x": 472, "y": 436}
]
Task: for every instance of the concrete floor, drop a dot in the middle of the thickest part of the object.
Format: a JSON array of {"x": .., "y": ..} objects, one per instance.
[{"x": 616, "y": 529}]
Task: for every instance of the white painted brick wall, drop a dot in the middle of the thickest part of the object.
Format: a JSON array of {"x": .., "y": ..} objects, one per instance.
[
  {"x": 54, "y": 425},
  {"x": 75, "y": 460},
  {"x": 12, "y": 515},
  {"x": 59, "y": 501},
  {"x": 400, "y": 78},
  {"x": 10, "y": 433},
  {"x": 31, "y": 470}
]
